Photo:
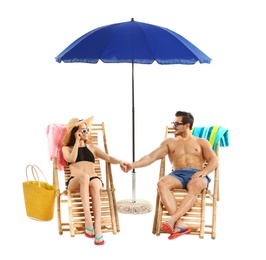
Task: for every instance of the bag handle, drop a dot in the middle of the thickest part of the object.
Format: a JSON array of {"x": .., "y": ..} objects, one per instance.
[{"x": 34, "y": 170}]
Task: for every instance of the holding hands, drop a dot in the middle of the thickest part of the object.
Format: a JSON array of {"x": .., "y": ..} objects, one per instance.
[{"x": 125, "y": 166}]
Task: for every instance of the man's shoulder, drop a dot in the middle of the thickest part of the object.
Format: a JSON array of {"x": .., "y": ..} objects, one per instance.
[
  {"x": 201, "y": 139},
  {"x": 170, "y": 140},
  {"x": 204, "y": 143}
]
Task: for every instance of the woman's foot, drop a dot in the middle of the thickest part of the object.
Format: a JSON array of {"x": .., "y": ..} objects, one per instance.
[
  {"x": 98, "y": 240},
  {"x": 89, "y": 232}
]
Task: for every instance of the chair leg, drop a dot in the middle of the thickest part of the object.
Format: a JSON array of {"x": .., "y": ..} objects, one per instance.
[
  {"x": 59, "y": 220},
  {"x": 112, "y": 199},
  {"x": 213, "y": 234},
  {"x": 159, "y": 218},
  {"x": 202, "y": 221},
  {"x": 116, "y": 214},
  {"x": 216, "y": 197},
  {"x": 155, "y": 220},
  {"x": 71, "y": 221},
  {"x": 112, "y": 212}
]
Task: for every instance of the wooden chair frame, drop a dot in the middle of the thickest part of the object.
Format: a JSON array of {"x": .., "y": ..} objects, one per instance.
[
  {"x": 205, "y": 206},
  {"x": 75, "y": 224}
]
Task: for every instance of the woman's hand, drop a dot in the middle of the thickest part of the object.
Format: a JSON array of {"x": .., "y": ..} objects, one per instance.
[
  {"x": 77, "y": 135},
  {"x": 125, "y": 166}
]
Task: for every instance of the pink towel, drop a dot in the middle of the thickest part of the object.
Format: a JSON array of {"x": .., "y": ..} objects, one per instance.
[{"x": 55, "y": 134}]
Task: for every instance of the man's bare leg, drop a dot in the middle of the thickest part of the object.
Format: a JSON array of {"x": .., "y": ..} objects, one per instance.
[
  {"x": 194, "y": 188},
  {"x": 165, "y": 185}
]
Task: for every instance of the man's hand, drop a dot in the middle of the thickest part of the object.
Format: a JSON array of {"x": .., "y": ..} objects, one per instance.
[
  {"x": 198, "y": 175},
  {"x": 125, "y": 166}
]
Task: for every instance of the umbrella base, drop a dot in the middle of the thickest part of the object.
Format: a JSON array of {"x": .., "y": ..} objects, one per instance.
[{"x": 130, "y": 207}]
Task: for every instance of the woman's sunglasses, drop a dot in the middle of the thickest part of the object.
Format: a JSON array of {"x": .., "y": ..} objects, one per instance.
[{"x": 84, "y": 131}]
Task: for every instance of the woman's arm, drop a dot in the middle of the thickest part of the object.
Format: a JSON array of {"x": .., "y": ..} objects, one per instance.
[
  {"x": 108, "y": 158},
  {"x": 70, "y": 155}
]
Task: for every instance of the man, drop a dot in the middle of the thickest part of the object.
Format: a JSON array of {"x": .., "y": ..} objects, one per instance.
[{"x": 188, "y": 155}]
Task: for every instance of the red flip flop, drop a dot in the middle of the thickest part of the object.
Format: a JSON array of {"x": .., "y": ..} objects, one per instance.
[
  {"x": 166, "y": 227},
  {"x": 178, "y": 234}
]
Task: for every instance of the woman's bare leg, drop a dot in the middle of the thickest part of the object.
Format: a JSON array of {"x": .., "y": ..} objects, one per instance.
[
  {"x": 95, "y": 188},
  {"x": 81, "y": 182}
]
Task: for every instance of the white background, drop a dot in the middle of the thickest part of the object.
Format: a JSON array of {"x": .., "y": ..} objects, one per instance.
[{"x": 37, "y": 91}]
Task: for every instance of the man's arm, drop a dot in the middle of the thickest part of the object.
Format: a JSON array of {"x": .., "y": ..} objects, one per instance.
[
  {"x": 210, "y": 156},
  {"x": 148, "y": 159}
]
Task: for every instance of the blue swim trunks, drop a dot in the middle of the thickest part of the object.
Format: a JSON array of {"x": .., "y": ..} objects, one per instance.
[{"x": 184, "y": 175}]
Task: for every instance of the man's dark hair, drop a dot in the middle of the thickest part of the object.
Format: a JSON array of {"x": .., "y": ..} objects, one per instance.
[{"x": 186, "y": 118}]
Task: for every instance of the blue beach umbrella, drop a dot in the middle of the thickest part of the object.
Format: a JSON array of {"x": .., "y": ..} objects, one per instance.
[{"x": 132, "y": 42}]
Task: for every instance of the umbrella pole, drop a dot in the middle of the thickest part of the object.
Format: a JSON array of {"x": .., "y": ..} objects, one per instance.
[
  {"x": 132, "y": 206},
  {"x": 133, "y": 138}
]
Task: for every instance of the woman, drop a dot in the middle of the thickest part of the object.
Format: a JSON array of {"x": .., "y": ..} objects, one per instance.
[{"x": 80, "y": 155}]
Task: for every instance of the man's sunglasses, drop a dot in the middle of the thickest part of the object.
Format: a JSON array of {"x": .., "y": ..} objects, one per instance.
[
  {"x": 84, "y": 131},
  {"x": 176, "y": 124}
]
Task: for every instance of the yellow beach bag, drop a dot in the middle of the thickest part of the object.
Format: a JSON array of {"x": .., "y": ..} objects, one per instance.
[{"x": 39, "y": 196}]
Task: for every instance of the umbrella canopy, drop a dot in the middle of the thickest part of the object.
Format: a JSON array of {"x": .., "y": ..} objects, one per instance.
[{"x": 132, "y": 42}]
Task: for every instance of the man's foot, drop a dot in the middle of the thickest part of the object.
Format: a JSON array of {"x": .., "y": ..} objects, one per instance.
[
  {"x": 180, "y": 226},
  {"x": 179, "y": 233},
  {"x": 166, "y": 227}
]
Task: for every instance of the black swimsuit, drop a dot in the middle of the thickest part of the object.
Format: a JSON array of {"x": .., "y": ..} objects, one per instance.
[{"x": 84, "y": 154}]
